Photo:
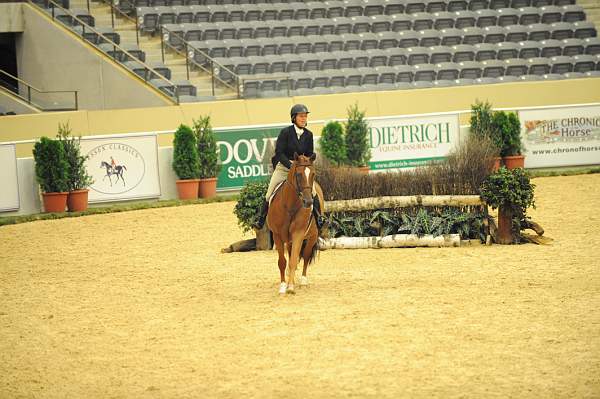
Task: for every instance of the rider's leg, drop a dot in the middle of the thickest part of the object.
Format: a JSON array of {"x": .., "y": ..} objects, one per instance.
[{"x": 279, "y": 175}]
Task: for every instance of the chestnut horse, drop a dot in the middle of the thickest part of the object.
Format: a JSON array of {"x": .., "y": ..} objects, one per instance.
[{"x": 290, "y": 219}]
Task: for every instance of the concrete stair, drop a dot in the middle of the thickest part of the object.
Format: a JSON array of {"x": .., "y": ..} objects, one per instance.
[
  {"x": 592, "y": 11},
  {"x": 152, "y": 47}
]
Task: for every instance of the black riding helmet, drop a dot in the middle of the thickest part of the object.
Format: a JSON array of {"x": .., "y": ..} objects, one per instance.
[{"x": 297, "y": 109}]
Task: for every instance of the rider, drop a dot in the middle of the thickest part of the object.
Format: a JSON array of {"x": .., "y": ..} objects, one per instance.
[{"x": 292, "y": 139}]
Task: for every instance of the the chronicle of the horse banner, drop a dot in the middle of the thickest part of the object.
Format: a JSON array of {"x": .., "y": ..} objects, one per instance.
[{"x": 122, "y": 167}]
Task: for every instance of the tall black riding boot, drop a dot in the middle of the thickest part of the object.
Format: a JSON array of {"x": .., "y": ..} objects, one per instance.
[
  {"x": 263, "y": 215},
  {"x": 317, "y": 212}
]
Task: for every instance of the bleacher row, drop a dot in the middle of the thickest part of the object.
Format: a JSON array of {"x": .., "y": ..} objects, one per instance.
[
  {"x": 249, "y": 10},
  {"x": 505, "y": 18},
  {"x": 151, "y": 18},
  {"x": 369, "y": 79}
]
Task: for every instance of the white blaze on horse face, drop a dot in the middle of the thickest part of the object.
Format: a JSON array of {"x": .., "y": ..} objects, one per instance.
[{"x": 307, "y": 173}]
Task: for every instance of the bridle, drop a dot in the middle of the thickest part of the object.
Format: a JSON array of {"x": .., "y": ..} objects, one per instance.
[{"x": 298, "y": 178}]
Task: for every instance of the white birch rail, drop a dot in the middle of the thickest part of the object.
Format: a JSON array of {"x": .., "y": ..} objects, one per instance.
[
  {"x": 393, "y": 241},
  {"x": 388, "y": 202}
]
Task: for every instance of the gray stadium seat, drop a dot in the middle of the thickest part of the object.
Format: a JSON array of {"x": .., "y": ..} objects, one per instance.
[
  {"x": 404, "y": 73},
  {"x": 486, "y": 18},
  {"x": 499, "y": 4},
  {"x": 465, "y": 19},
  {"x": 529, "y": 16},
  {"x": 407, "y": 39},
  {"x": 463, "y": 52},
  {"x": 507, "y": 50},
  {"x": 397, "y": 56},
  {"x": 562, "y": 30},
  {"x": 584, "y": 29},
  {"x": 539, "y": 66},
  {"x": 417, "y": 55},
  {"x": 485, "y": 51},
  {"x": 552, "y": 48},
  {"x": 516, "y": 33},
  {"x": 562, "y": 65},
  {"x": 473, "y": 35},
  {"x": 447, "y": 71},
  {"x": 516, "y": 67},
  {"x": 529, "y": 49},
  {"x": 508, "y": 16},
  {"x": 494, "y": 34},
  {"x": 425, "y": 72},
  {"x": 539, "y": 32},
  {"x": 452, "y": 37},
  {"x": 584, "y": 63},
  {"x": 552, "y": 14},
  {"x": 440, "y": 54},
  {"x": 401, "y": 22},
  {"x": 443, "y": 20},
  {"x": 592, "y": 46},
  {"x": 573, "y": 13},
  {"x": 573, "y": 47},
  {"x": 493, "y": 68},
  {"x": 471, "y": 70},
  {"x": 422, "y": 21}
]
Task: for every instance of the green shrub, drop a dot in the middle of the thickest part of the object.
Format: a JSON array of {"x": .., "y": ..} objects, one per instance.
[
  {"x": 185, "y": 154},
  {"x": 51, "y": 167},
  {"x": 357, "y": 143},
  {"x": 508, "y": 127},
  {"x": 250, "y": 203},
  {"x": 482, "y": 123},
  {"x": 78, "y": 176},
  {"x": 511, "y": 188},
  {"x": 207, "y": 148},
  {"x": 332, "y": 143}
]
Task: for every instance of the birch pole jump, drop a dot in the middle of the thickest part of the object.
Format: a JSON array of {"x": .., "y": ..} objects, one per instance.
[{"x": 389, "y": 202}]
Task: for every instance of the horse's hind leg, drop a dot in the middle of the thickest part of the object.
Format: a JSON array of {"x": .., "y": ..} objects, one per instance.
[{"x": 281, "y": 262}]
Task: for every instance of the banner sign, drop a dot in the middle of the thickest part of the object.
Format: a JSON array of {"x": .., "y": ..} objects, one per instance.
[
  {"x": 566, "y": 136},
  {"x": 122, "y": 167},
  {"x": 406, "y": 142},
  {"x": 245, "y": 155},
  {"x": 9, "y": 183}
]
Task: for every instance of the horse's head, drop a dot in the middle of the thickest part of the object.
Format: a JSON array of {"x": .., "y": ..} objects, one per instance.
[{"x": 302, "y": 176}]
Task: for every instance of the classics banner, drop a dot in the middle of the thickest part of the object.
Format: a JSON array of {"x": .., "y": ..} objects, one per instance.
[{"x": 122, "y": 167}]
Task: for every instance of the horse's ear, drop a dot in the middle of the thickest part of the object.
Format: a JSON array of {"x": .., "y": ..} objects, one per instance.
[
  {"x": 313, "y": 157},
  {"x": 295, "y": 156}
]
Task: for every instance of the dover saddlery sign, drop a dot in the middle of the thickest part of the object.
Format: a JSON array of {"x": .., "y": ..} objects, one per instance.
[
  {"x": 245, "y": 155},
  {"x": 9, "y": 191},
  {"x": 565, "y": 136},
  {"x": 404, "y": 142},
  {"x": 122, "y": 167}
]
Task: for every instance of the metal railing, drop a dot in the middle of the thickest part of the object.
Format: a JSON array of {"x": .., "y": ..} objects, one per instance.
[
  {"x": 215, "y": 69},
  {"x": 43, "y": 100},
  {"x": 149, "y": 72},
  {"x": 113, "y": 4}
]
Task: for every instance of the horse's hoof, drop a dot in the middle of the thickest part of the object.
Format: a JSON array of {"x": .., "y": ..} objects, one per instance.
[
  {"x": 282, "y": 288},
  {"x": 303, "y": 281},
  {"x": 291, "y": 290}
]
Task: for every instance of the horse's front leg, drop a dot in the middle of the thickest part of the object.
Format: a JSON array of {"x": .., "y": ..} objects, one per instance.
[
  {"x": 307, "y": 254},
  {"x": 293, "y": 262},
  {"x": 281, "y": 262}
]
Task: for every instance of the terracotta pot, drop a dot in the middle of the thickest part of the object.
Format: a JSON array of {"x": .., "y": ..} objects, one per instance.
[
  {"x": 55, "y": 202},
  {"x": 207, "y": 188},
  {"x": 77, "y": 201},
  {"x": 505, "y": 234},
  {"x": 513, "y": 162},
  {"x": 187, "y": 189},
  {"x": 364, "y": 170},
  {"x": 497, "y": 164}
]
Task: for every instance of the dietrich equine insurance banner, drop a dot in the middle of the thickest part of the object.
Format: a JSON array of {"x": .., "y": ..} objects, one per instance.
[{"x": 406, "y": 142}]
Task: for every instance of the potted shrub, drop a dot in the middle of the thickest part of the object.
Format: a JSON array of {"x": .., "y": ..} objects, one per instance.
[
  {"x": 185, "y": 162},
  {"x": 247, "y": 211},
  {"x": 51, "y": 171},
  {"x": 79, "y": 180},
  {"x": 482, "y": 126},
  {"x": 511, "y": 191},
  {"x": 332, "y": 143},
  {"x": 357, "y": 145},
  {"x": 208, "y": 157},
  {"x": 509, "y": 128}
]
